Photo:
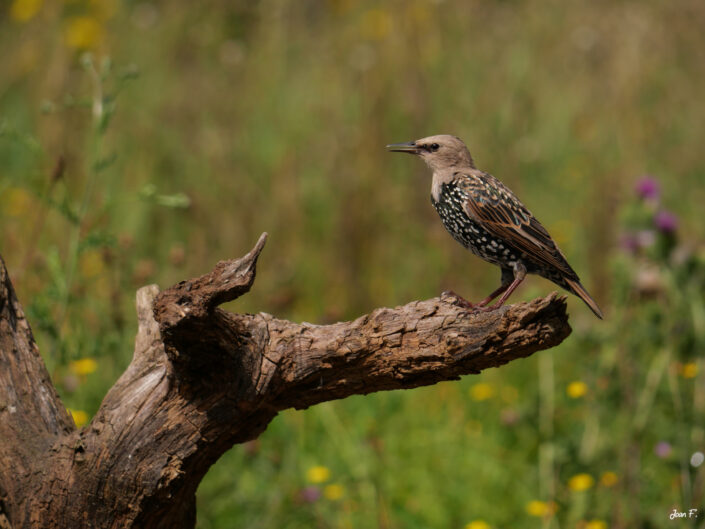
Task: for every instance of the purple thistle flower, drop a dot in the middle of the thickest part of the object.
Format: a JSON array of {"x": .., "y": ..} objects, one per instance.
[
  {"x": 665, "y": 221},
  {"x": 663, "y": 449},
  {"x": 310, "y": 494},
  {"x": 509, "y": 417},
  {"x": 633, "y": 241},
  {"x": 628, "y": 242},
  {"x": 647, "y": 188}
]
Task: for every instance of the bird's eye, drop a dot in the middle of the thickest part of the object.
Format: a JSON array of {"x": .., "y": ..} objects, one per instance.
[{"x": 435, "y": 146}]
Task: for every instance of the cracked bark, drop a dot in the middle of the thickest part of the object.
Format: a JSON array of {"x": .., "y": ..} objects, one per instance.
[{"x": 203, "y": 379}]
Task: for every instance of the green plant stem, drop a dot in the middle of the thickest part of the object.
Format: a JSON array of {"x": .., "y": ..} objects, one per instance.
[
  {"x": 681, "y": 427},
  {"x": 91, "y": 175},
  {"x": 547, "y": 485}
]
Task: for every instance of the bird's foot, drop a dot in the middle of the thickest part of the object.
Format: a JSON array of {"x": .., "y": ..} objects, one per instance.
[
  {"x": 451, "y": 297},
  {"x": 488, "y": 308}
]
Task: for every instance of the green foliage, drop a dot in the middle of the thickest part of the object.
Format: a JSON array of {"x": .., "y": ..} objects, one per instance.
[{"x": 142, "y": 142}]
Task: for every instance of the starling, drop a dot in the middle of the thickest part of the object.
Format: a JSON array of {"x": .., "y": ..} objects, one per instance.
[{"x": 483, "y": 215}]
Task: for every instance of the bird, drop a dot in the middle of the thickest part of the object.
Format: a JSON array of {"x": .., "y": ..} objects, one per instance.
[{"x": 487, "y": 218}]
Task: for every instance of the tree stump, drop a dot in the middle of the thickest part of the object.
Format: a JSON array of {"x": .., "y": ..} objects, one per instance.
[{"x": 203, "y": 379}]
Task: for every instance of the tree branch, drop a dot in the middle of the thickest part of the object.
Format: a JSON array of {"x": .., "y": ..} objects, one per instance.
[
  {"x": 418, "y": 344},
  {"x": 31, "y": 413},
  {"x": 202, "y": 379}
]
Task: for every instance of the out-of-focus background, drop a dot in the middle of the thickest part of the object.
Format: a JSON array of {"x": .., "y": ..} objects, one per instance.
[{"x": 142, "y": 142}]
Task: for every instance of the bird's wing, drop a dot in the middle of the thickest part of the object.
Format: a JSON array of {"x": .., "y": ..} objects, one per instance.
[{"x": 501, "y": 213}]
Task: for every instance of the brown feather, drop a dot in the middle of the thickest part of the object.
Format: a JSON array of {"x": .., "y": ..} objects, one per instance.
[
  {"x": 504, "y": 216},
  {"x": 579, "y": 291}
]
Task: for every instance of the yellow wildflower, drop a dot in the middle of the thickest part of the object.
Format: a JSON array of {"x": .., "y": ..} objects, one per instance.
[
  {"x": 608, "y": 479},
  {"x": 481, "y": 391},
  {"x": 24, "y": 10},
  {"x": 333, "y": 492},
  {"x": 596, "y": 524},
  {"x": 689, "y": 370},
  {"x": 478, "y": 524},
  {"x": 80, "y": 417},
  {"x": 83, "y": 33},
  {"x": 541, "y": 509},
  {"x": 576, "y": 389},
  {"x": 84, "y": 366},
  {"x": 376, "y": 24},
  {"x": 581, "y": 482},
  {"x": 317, "y": 474}
]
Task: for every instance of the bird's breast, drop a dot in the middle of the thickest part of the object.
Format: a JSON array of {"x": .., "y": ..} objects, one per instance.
[
  {"x": 435, "y": 190},
  {"x": 450, "y": 206}
]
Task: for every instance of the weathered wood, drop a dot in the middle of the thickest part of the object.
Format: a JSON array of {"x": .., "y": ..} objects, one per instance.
[
  {"x": 32, "y": 417},
  {"x": 203, "y": 379}
]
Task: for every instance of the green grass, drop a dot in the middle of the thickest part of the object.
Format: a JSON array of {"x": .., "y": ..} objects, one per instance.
[{"x": 223, "y": 121}]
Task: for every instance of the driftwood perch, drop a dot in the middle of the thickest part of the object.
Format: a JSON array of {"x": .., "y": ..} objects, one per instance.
[{"x": 203, "y": 379}]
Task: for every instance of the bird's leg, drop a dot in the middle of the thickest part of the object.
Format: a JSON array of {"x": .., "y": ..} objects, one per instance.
[
  {"x": 519, "y": 275},
  {"x": 507, "y": 278},
  {"x": 494, "y": 294}
]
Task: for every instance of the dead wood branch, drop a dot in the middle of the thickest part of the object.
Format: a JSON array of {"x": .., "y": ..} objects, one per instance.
[{"x": 203, "y": 379}]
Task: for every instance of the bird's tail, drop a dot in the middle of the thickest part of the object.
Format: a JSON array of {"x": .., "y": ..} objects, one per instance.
[{"x": 579, "y": 291}]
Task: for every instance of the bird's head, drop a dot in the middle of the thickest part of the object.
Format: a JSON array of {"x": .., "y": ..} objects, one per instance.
[{"x": 439, "y": 152}]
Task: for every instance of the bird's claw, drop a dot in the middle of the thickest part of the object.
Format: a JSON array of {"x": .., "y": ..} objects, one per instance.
[{"x": 451, "y": 297}]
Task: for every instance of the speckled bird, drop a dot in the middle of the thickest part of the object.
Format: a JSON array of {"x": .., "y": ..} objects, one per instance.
[{"x": 483, "y": 215}]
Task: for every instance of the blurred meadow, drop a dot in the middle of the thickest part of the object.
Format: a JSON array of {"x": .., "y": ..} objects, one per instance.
[{"x": 141, "y": 142}]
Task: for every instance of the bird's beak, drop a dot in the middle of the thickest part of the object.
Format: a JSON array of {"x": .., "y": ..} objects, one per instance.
[{"x": 409, "y": 147}]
